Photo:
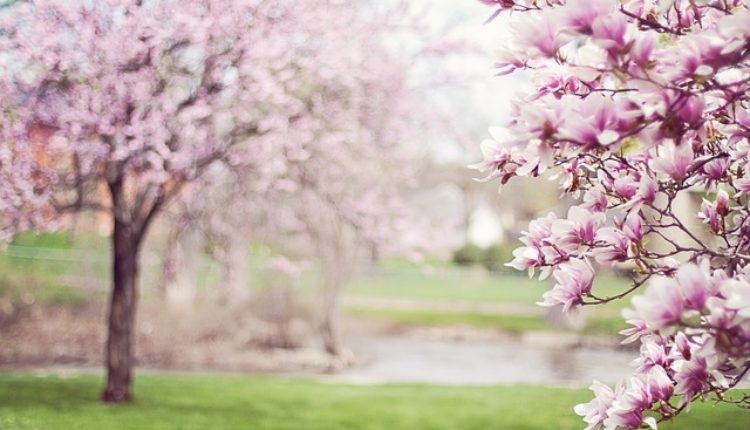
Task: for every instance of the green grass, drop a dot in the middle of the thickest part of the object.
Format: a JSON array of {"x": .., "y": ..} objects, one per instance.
[
  {"x": 600, "y": 325},
  {"x": 224, "y": 402},
  {"x": 464, "y": 285},
  {"x": 57, "y": 240}
]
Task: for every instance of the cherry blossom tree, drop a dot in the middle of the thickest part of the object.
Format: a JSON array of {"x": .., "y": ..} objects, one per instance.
[
  {"x": 140, "y": 98},
  {"x": 637, "y": 105}
]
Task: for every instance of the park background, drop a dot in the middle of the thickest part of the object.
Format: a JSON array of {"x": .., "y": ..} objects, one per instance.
[{"x": 440, "y": 337}]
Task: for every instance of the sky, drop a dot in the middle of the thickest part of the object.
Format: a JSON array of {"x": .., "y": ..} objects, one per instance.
[
  {"x": 484, "y": 98},
  {"x": 484, "y": 101}
]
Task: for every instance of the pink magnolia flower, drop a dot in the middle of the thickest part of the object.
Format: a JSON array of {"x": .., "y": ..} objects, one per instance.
[
  {"x": 574, "y": 279},
  {"x": 681, "y": 347},
  {"x": 660, "y": 308},
  {"x": 694, "y": 375},
  {"x": 594, "y": 413},
  {"x": 578, "y": 229},
  {"x": 540, "y": 119},
  {"x": 595, "y": 200},
  {"x": 659, "y": 385},
  {"x": 632, "y": 227},
  {"x": 581, "y": 15},
  {"x": 714, "y": 171},
  {"x": 540, "y": 231},
  {"x": 496, "y": 156},
  {"x": 642, "y": 51},
  {"x": 612, "y": 32},
  {"x": 710, "y": 215},
  {"x": 526, "y": 257},
  {"x": 541, "y": 32},
  {"x": 631, "y": 399},
  {"x": 737, "y": 297},
  {"x": 636, "y": 106},
  {"x": 653, "y": 353},
  {"x": 646, "y": 190},
  {"x": 558, "y": 81},
  {"x": 597, "y": 121},
  {"x": 693, "y": 58},
  {"x": 626, "y": 187},
  {"x": 673, "y": 160},
  {"x": 694, "y": 285},
  {"x": 742, "y": 185},
  {"x": 614, "y": 245},
  {"x": 637, "y": 330},
  {"x": 691, "y": 111},
  {"x": 508, "y": 61},
  {"x": 722, "y": 203}
]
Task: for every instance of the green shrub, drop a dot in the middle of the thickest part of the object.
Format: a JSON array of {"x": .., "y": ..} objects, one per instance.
[
  {"x": 496, "y": 256},
  {"x": 468, "y": 254}
]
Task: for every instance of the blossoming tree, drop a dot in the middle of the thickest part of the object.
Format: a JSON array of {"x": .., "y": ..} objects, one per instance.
[
  {"x": 137, "y": 99},
  {"x": 26, "y": 184},
  {"x": 637, "y": 105},
  {"x": 334, "y": 187}
]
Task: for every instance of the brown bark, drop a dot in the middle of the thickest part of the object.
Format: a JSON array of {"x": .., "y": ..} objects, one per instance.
[
  {"x": 120, "y": 339},
  {"x": 131, "y": 218},
  {"x": 330, "y": 329}
]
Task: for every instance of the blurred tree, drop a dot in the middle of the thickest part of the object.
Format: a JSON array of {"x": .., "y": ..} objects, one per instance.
[
  {"x": 143, "y": 97},
  {"x": 339, "y": 196}
]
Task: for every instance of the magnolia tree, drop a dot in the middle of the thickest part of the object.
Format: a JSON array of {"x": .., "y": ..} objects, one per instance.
[
  {"x": 116, "y": 105},
  {"x": 638, "y": 104}
]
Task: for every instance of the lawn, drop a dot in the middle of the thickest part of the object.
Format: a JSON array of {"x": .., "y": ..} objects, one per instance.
[
  {"x": 465, "y": 285},
  {"x": 594, "y": 325},
  {"x": 166, "y": 402}
]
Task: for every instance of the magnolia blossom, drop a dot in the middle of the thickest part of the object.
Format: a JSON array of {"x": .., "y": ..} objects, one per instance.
[
  {"x": 574, "y": 280},
  {"x": 713, "y": 213},
  {"x": 672, "y": 160},
  {"x": 578, "y": 229},
  {"x": 613, "y": 246},
  {"x": 660, "y": 308},
  {"x": 639, "y": 107},
  {"x": 595, "y": 412},
  {"x": 738, "y": 298}
]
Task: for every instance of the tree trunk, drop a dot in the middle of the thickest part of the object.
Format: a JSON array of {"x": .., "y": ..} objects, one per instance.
[
  {"x": 330, "y": 329},
  {"x": 120, "y": 339},
  {"x": 234, "y": 260}
]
